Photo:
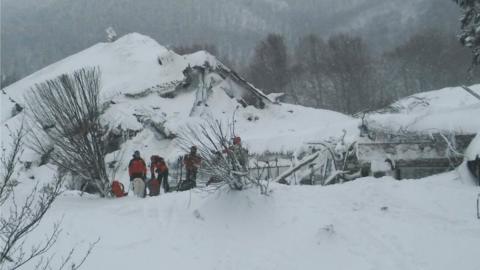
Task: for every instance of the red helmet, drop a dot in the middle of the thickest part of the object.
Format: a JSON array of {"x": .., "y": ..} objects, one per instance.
[{"x": 237, "y": 140}]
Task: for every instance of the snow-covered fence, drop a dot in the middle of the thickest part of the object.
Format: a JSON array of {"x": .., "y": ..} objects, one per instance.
[
  {"x": 414, "y": 155},
  {"x": 314, "y": 168},
  {"x": 269, "y": 168}
]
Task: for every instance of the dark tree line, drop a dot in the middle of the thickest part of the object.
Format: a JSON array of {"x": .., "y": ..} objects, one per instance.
[
  {"x": 342, "y": 73},
  {"x": 7, "y": 79},
  {"x": 212, "y": 49},
  {"x": 36, "y": 33}
]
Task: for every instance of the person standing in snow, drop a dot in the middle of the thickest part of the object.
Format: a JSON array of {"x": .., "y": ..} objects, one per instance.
[
  {"x": 137, "y": 167},
  {"x": 240, "y": 153},
  {"x": 192, "y": 163},
  {"x": 159, "y": 166}
]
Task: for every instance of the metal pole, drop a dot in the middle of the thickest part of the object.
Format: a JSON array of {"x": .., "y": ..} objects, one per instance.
[
  {"x": 471, "y": 92},
  {"x": 478, "y": 206}
]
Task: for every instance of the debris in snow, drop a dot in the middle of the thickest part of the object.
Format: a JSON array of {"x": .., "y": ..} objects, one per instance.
[
  {"x": 325, "y": 232},
  {"x": 197, "y": 215},
  {"x": 111, "y": 34}
]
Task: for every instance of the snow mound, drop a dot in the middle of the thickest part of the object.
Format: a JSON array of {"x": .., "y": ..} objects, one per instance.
[{"x": 448, "y": 109}]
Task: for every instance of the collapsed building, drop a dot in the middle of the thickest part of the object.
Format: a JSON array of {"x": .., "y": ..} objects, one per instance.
[
  {"x": 412, "y": 155},
  {"x": 381, "y": 153}
]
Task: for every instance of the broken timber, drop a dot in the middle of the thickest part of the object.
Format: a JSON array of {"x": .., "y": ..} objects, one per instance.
[
  {"x": 303, "y": 162},
  {"x": 471, "y": 92}
]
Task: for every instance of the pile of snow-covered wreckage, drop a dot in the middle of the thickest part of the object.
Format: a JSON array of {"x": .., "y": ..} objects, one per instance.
[
  {"x": 378, "y": 153},
  {"x": 410, "y": 155}
]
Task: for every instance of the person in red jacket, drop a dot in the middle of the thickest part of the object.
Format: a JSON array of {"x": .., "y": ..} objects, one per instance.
[
  {"x": 159, "y": 166},
  {"x": 192, "y": 163},
  {"x": 137, "y": 167}
]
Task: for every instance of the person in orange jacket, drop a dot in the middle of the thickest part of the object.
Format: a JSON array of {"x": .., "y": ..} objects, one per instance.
[
  {"x": 159, "y": 166},
  {"x": 137, "y": 167}
]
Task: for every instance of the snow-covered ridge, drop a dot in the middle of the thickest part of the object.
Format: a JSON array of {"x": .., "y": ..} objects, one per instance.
[
  {"x": 136, "y": 70},
  {"x": 448, "y": 109}
]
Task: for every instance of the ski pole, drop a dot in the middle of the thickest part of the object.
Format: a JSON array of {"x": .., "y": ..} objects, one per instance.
[
  {"x": 478, "y": 206},
  {"x": 179, "y": 181}
]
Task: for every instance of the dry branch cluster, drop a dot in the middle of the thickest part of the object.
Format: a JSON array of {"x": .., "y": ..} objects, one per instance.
[
  {"x": 222, "y": 161},
  {"x": 20, "y": 217},
  {"x": 67, "y": 130}
]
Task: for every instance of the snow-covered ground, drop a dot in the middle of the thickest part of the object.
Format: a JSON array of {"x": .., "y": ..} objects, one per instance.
[{"x": 366, "y": 224}]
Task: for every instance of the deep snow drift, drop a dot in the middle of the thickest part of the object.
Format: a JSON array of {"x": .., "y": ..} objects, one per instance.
[
  {"x": 365, "y": 224},
  {"x": 448, "y": 109}
]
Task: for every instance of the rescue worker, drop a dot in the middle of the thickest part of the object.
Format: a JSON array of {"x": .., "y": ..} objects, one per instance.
[
  {"x": 137, "y": 167},
  {"x": 192, "y": 163},
  {"x": 159, "y": 166},
  {"x": 240, "y": 153},
  {"x": 216, "y": 161}
]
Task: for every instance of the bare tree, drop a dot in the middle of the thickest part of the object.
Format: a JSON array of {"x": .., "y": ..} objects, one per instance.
[
  {"x": 66, "y": 113},
  {"x": 221, "y": 159},
  {"x": 351, "y": 72},
  {"x": 269, "y": 67},
  {"x": 429, "y": 60},
  {"x": 19, "y": 218},
  {"x": 309, "y": 84}
]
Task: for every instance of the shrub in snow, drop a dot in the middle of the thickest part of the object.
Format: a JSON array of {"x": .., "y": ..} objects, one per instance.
[
  {"x": 66, "y": 118},
  {"x": 21, "y": 215},
  {"x": 223, "y": 162}
]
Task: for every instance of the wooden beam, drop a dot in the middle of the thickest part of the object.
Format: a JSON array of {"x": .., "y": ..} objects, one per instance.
[
  {"x": 469, "y": 90},
  {"x": 305, "y": 161}
]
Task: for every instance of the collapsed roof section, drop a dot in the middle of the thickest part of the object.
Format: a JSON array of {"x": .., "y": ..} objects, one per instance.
[{"x": 207, "y": 78}]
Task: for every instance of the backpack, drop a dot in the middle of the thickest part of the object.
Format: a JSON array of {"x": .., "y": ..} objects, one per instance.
[
  {"x": 139, "y": 187},
  {"x": 154, "y": 187},
  {"x": 117, "y": 189},
  {"x": 186, "y": 185}
]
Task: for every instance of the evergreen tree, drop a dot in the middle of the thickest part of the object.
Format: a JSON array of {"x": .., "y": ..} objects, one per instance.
[{"x": 470, "y": 26}]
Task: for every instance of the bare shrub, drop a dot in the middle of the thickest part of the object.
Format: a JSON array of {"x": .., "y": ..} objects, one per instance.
[
  {"x": 20, "y": 217},
  {"x": 66, "y": 114},
  {"x": 221, "y": 159}
]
